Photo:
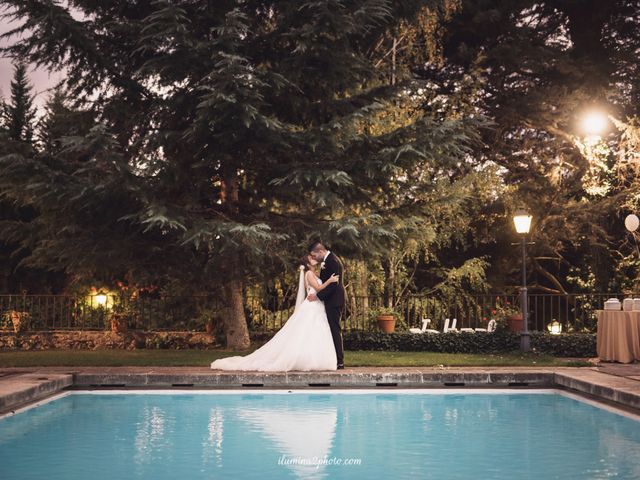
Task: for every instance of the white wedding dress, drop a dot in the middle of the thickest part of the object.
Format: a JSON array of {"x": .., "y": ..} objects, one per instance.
[{"x": 303, "y": 343}]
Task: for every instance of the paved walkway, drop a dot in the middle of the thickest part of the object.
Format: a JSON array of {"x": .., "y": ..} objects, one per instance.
[{"x": 615, "y": 383}]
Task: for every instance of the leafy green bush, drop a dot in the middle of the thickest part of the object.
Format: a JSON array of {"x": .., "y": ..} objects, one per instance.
[
  {"x": 452, "y": 342},
  {"x": 566, "y": 345}
]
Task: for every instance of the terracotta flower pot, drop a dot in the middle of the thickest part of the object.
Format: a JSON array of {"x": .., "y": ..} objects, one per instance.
[
  {"x": 386, "y": 323},
  {"x": 209, "y": 327},
  {"x": 515, "y": 323},
  {"x": 20, "y": 320},
  {"x": 119, "y": 323}
]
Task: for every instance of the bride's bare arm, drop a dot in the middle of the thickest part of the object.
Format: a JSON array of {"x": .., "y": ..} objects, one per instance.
[{"x": 312, "y": 280}]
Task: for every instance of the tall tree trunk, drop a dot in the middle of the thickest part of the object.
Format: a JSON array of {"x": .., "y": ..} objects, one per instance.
[
  {"x": 235, "y": 324},
  {"x": 364, "y": 286},
  {"x": 389, "y": 267}
]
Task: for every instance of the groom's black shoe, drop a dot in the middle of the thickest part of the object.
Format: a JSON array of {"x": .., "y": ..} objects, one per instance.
[{"x": 340, "y": 366}]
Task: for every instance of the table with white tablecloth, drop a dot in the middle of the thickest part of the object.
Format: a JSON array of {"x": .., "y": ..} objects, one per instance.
[{"x": 618, "y": 335}]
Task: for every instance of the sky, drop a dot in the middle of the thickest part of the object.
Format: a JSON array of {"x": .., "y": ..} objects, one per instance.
[{"x": 41, "y": 80}]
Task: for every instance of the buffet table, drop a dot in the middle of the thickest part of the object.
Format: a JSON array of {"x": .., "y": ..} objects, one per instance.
[{"x": 618, "y": 335}]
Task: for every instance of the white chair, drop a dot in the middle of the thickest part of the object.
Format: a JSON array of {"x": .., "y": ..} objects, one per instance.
[
  {"x": 431, "y": 330},
  {"x": 424, "y": 329},
  {"x": 425, "y": 322},
  {"x": 491, "y": 327},
  {"x": 451, "y": 328}
]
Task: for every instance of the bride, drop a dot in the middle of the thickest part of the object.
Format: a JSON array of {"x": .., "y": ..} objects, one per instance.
[{"x": 303, "y": 343}]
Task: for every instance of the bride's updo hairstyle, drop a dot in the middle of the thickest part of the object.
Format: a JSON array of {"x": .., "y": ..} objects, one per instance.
[{"x": 304, "y": 262}]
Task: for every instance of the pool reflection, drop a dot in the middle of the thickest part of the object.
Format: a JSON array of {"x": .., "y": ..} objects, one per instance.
[{"x": 303, "y": 437}]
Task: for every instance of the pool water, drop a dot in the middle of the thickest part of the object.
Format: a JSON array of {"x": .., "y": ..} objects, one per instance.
[{"x": 318, "y": 434}]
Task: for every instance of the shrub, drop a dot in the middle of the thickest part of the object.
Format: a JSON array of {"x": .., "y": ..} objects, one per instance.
[
  {"x": 451, "y": 342},
  {"x": 566, "y": 345}
]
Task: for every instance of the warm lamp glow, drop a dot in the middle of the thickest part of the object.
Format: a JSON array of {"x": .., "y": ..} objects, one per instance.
[
  {"x": 555, "y": 328},
  {"x": 594, "y": 123},
  {"x": 522, "y": 221},
  {"x": 101, "y": 299}
]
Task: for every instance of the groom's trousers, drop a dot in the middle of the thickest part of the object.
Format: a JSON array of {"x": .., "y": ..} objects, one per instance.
[{"x": 333, "y": 316}]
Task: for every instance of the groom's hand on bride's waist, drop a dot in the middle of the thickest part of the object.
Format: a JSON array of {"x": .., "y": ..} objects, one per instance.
[{"x": 312, "y": 297}]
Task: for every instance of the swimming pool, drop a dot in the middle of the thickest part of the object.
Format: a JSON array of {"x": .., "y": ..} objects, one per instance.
[{"x": 439, "y": 434}]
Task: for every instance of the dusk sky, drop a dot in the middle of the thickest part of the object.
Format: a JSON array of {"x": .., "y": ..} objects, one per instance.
[{"x": 41, "y": 80}]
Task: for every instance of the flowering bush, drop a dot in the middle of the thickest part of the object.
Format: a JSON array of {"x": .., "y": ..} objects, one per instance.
[{"x": 503, "y": 309}]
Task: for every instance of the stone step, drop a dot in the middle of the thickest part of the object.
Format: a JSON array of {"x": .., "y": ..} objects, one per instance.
[
  {"x": 621, "y": 390},
  {"x": 22, "y": 389}
]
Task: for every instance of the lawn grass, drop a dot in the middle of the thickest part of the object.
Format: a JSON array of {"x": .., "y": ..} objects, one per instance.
[{"x": 175, "y": 358}]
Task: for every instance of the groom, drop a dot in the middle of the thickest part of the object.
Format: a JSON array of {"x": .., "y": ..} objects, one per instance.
[{"x": 332, "y": 296}]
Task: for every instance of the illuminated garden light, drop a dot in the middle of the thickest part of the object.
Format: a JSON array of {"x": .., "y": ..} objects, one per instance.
[
  {"x": 632, "y": 222},
  {"x": 555, "y": 327},
  {"x": 101, "y": 299},
  {"x": 594, "y": 123}
]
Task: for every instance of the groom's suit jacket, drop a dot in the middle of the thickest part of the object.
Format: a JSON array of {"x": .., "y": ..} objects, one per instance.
[{"x": 333, "y": 295}]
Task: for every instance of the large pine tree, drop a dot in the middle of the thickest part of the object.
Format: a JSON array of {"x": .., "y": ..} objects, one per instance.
[
  {"x": 229, "y": 133},
  {"x": 15, "y": 137},
  {"x": 61, "y": 121},
  {"x": 20, "y": 114}
]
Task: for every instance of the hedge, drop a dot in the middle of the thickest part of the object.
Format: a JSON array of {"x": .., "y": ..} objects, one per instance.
[{"x": 565, "y": 345}]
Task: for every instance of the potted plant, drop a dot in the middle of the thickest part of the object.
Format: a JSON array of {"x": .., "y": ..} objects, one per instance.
[
  {"x": 120, "y": 314},
  {"x": 386, "y": 318},
  {"x": 119, "y": 322},
  {"x": 205, "y": 317},
  {"x": 18, "y": 320},
  {"x": 209, "y": 326},
  {"x": 505, "y": 311}
]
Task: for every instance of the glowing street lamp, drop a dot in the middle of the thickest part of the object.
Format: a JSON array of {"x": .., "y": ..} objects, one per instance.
[
  {"x": 555, "y": 328},
  {"x": 632, "y": 222},
  {"x": 522, "y": 222}
]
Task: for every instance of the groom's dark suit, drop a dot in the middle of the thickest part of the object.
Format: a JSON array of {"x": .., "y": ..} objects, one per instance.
[{"x": 333, "y": 298}]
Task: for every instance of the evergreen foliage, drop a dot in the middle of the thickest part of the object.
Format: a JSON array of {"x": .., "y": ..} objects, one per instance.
[
  {"x": 226, "y": 133},
  {"x": 198, "y": 146}
]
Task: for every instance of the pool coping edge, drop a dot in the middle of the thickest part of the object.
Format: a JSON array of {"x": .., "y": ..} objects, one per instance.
[{"x": 29, "y": 388}]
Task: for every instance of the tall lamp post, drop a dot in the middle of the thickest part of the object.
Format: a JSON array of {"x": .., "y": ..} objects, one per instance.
[{"x": 522, "y": 222}]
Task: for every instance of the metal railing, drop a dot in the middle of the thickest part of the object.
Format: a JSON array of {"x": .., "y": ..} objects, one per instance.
[
  {"x": 576, "y": 312},
  {"x": 69, "y": 312}
]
